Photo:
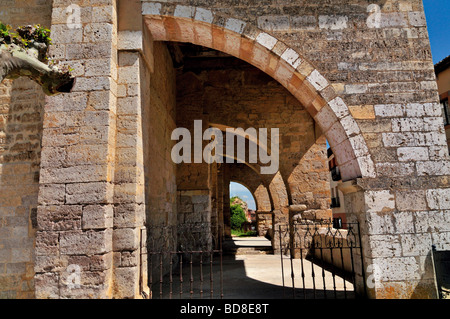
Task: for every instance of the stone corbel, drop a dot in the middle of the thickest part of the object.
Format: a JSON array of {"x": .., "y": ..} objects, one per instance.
[
  {"x": 296, "y": 212},
  {"x": 351, "y": 186},
  {"x": 138, "y": 41}
]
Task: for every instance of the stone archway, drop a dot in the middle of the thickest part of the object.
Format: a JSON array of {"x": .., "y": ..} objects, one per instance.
[
  {"x": 204, "y": 27},
  {"x": 243, "y": 175},
  {"x": 242, "y": 40},
  {"x": 399, "y": 217}
]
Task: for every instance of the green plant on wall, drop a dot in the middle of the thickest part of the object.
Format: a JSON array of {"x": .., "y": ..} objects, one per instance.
[{"x": 5, "y": 36}]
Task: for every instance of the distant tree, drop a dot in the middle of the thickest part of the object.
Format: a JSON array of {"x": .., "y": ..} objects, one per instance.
[
  {"x": 237, "y": 217},
  {"x": 24, "y": 53}
]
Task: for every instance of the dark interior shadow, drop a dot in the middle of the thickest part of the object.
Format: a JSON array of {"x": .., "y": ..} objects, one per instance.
[
  {"x": 441, "y": 267},
  {"x": 435, "y": 282}
]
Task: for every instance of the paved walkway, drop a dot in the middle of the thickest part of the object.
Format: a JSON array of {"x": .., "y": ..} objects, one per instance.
[{"x": 260, "y": 276}]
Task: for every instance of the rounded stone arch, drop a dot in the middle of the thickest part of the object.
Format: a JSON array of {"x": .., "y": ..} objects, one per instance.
[
  {"x": 274, "y": 185},
  {"x": 247, "y": 187},
  {"x": 201, "y": 26},
  {"x": 246, "y": 176},
  {"x": 256, "y": 167}
]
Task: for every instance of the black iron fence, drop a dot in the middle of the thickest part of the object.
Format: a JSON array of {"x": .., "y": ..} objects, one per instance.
[
  {"x": 185, "y": 261},
  {"x": 317, "y": 261},
  {"x": 324, "y": 262}
]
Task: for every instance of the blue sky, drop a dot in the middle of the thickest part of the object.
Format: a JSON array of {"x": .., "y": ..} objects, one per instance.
[
  {"x": 237, "y": 189},
  {"x": 438, "y": 16}
]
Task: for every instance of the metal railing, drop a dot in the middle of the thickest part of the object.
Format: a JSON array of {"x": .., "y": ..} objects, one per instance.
[
  {"x": 324, "y": 262},
  {"x": 184, "y": 260}
]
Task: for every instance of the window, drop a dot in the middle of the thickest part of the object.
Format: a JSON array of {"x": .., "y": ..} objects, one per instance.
[
  {"x": 445, "y": 112},
  {"x": 335, "y": 203}
]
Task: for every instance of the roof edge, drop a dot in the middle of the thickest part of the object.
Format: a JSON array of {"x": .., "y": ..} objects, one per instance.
[{"x": 442, "y": 65}]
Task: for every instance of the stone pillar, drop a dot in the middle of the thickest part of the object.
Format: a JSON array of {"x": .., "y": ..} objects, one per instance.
[
  {"x": 398, "y": 228},
  {"x": 75, "y": 213},
  {"x": 220, "y": 197},
  {"x": 213, "y": 195},
  {"x": 263, "y": 222},
  {"x": 226, "y": 202},
  {"x": 135, "y": 64}
]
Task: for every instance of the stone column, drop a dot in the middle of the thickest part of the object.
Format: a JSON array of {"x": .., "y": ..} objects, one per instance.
[
  {"x": 355, "y": 208},
  {"x": 220, "y": 197},
  {"x": 213, "y": 195},
  {"x": 129, "y": 209},
  {"x": 226, "y": 202},
  {"x": 75, "y": 212},
  {"x": 263, "y": 221},
  {"x": 135, "y": 65},
  {"x": 398, "y": 228}
]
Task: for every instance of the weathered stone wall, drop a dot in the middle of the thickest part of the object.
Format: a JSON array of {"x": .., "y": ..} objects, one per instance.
[
  {"x": 74, "y": 241},
  {"x": 363, "y": 72},
  {"x": 443, "y": 83},
  {"x": 21, "y": 115},
  {"x": 243, "y": 174},
  {"x": 21, "y": 132},
  {"x": 161, "y": 196}
]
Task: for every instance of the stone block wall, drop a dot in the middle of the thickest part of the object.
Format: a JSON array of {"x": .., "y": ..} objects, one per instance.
[
  {"x": 21, "y": 116},
  {"x": 20, "y": 158},
  {"x": 159, "y": 122},
  {"x": 264, "y": 223},
  {"x": 194, "y": 207},
  {"x": 376, "y": 58},
  {"x": 362, "y": 71},
  {"x": 74, "y": 241}
]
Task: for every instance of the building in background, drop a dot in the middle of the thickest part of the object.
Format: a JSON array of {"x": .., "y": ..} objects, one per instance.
[{"x": 442, "y": 70}]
